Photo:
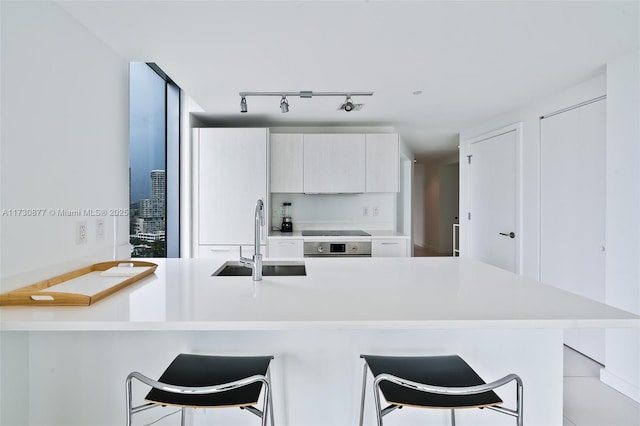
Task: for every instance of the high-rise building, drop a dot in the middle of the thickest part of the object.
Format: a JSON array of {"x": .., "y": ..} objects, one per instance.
[
  {"x": 158, "y": 184},
  {"x": 151, "y": 211}
]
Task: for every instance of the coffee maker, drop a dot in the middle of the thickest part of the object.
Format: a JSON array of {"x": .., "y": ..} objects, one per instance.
[{"x": 287, "y": 225}]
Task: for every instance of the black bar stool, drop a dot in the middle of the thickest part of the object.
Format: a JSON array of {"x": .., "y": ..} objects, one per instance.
[
  {"x": 445, "y": 382},
  {"x": 208, "y": 381}
]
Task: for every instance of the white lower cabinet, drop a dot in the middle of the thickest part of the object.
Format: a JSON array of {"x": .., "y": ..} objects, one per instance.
[
  {"x": 389, "y": 247},
  {"x": 227, "y": 252},
  {"x": 289, "y": 247}
]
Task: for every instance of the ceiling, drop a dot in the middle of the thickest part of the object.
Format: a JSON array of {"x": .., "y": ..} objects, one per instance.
[{"x": 472, "y": 60}]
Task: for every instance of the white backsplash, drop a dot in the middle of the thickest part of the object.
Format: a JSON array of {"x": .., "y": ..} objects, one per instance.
[{"x": 336, "y": 211}]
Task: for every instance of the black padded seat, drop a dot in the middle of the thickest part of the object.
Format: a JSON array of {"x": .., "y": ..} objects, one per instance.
[
  {"x": 440, "y": 382},
  {"x": 205, "y": 370},
  {"x": 447, "y": 371},
  {"x": 211, "y": 381}
]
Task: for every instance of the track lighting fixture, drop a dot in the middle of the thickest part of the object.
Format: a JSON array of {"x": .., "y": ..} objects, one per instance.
[
  {"x": 348, "y": 105},
  {"x": 284, "y": 105}
]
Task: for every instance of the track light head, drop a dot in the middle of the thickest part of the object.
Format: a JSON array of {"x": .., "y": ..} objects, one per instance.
[
  {"x": 284, "y": 105},
  {"x": 243, "y": 104},
  {"x": 348, "y": 105}
]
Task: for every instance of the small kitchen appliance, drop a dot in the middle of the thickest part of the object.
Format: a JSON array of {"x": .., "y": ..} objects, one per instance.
[{"x": 287, "y": 225}]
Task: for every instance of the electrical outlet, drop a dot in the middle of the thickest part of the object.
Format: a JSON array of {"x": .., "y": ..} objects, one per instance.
[
  {"x": 365, "y": 211},
  {"x": 100, "y": 229},
  {"x": 81, "y": 232},
  {"x": 376, "y": 211}
]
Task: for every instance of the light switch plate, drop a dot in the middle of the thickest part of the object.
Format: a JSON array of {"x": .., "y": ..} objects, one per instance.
[
  {"x": 100, "y": 229},
  {"x": 81, "y": 232}
]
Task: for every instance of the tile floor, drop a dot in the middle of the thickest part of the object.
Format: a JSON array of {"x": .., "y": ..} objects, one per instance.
[{"x": 588, "y": 401}]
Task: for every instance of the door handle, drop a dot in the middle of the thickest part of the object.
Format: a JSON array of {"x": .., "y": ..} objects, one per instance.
[{"x": 510, "y": 234}]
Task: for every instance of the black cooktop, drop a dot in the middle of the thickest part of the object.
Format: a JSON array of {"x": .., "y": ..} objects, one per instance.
[{"x": 346, "y": 233}]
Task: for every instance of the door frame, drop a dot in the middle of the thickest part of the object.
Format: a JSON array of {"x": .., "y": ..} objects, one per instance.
[{"x": 464, "y": 213}]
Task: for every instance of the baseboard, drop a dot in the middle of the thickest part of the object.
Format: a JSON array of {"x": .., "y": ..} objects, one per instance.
[{"x": 621, "y": 385}]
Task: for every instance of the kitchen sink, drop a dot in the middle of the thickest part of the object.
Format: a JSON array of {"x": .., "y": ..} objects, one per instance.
[{"x": 269, "y": 269}]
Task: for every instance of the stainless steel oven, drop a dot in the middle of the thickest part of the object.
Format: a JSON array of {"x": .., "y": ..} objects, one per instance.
[
  {"x": 342, "y": 246},
  {"x": 337, "y": 249}
]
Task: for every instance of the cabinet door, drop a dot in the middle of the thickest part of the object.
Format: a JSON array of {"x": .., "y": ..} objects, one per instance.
[
  {"x": 232, "y": 175},
  {"x": 383, "y": 162},
  {"x": 226, "y": 252},
  {"x": 334, "y": 163},
  {"x": 286, "y": 163},
  {"x": 389, "y": 247},
  {"x": 285, "y": 247}
]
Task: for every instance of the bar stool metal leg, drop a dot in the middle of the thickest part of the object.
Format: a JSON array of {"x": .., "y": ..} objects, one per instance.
[
  {"x": 364, "y": 391},
  {"x": 270, "y": 397}
]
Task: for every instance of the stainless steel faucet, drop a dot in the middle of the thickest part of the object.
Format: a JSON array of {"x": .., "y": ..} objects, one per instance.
[{"x": 256, "y": 262}]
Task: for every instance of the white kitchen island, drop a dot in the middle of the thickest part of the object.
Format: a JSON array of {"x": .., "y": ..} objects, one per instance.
[{"x": 67, "y": 365}]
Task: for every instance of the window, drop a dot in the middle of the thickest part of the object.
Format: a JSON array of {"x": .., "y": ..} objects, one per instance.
[{"x": 154, "y": 129}]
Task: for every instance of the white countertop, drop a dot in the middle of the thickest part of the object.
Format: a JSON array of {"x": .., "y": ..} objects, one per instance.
[
  {"x": 361, "y": 293},
  {"x": 374, "y": 234}
]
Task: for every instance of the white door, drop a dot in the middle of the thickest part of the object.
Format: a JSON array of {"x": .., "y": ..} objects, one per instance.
[
  {"x": 493, "y": 233},
  {"x": 572, "y": 210}
]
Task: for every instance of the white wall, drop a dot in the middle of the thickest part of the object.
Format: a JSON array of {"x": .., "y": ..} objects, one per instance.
[
  {"x": 622, "y": 350},
  {"x": 404, "y": 200},
  {"x": 64, "y": 141},
  {"x": 187, "y": 159},
  {"x": 529, "y": 167},
  {"x": 336, "y": 211},
  {"x": 418, "y": 203},
  {"x": 64, "y": 145},
  {"x": 621, "y": 84}
]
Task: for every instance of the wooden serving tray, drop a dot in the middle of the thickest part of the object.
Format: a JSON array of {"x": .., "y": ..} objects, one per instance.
[{"x": 81, "y": 287}]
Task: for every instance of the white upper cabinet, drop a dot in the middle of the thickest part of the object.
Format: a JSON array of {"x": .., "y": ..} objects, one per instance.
[
  {"x": 382, "y": 163},
  {"x": 232, "y": 175},
  {"x": 334, "y": 163},
  {"x": 286, "y": 163}
]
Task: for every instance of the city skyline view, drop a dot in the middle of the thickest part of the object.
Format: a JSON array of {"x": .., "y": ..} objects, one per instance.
[{"x": 147, "y": 162}]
